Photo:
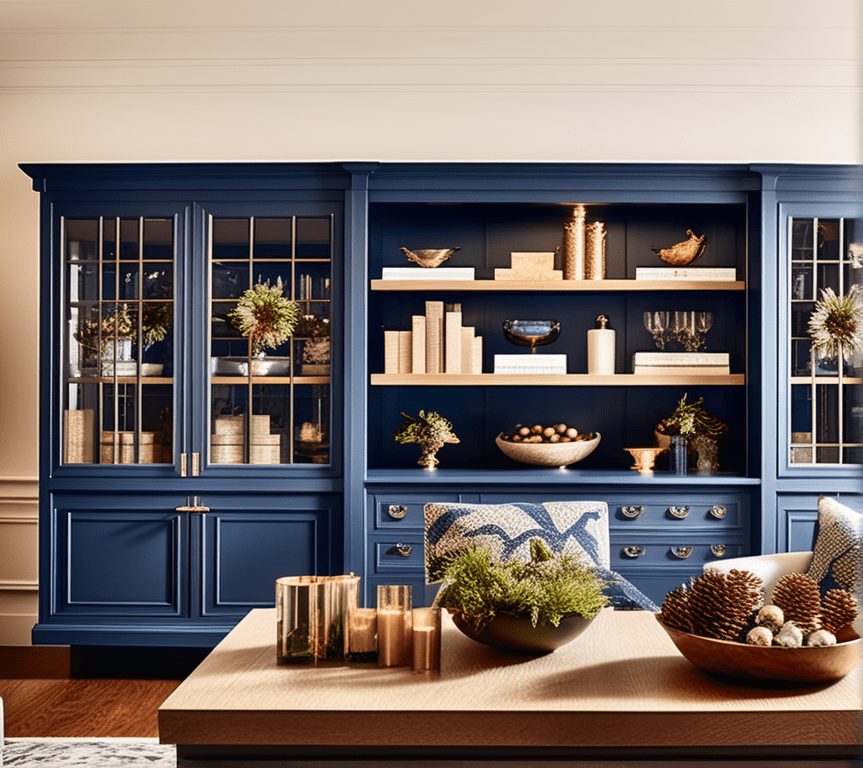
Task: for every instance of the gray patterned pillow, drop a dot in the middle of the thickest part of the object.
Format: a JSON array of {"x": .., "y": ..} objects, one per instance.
[
  {"x": 579, "y": 528},
  {"x": 837, "y": 560}
]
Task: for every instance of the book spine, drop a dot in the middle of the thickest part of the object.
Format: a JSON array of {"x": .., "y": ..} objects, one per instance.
[
  {"x": 476, "y": 365},
  {"x": 680, "y": 358},
  {"x": 391, "y": 351},
  {"x": 418, "y": 344},
  {"x": 434, "y": 336},
  {"x": 452, "y": 343},
  {"x": 467, "y": 336},
  {"x": 405, "y": 351},
  {"x": 682, "y": 370}
]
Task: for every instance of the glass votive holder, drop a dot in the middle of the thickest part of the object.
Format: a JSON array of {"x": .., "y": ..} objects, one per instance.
[
  {"x": 426, "y": 634},
  {"x": 362, "y": 635},
  {"x": 394, "y": 625}
]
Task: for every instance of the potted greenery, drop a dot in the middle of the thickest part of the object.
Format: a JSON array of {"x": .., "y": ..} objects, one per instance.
[
  {"x": 265, "y": 317},
  {"x": 112, "y": 337},
  {"x": 699, "y": 429},
  {"x": 430, "y": 431},
  {"x": 531, "y": 607}
]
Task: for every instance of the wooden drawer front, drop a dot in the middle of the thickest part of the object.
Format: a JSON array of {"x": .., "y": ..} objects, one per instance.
[
  {"x": 406, "y": 555},
  {"x": 702, "y": 514},
  {"x": 404, "y": 513},
  {"x": 685, "y": 552}
]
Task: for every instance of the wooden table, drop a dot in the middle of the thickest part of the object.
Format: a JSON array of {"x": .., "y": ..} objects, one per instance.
[{"x": 620, "y": 690}]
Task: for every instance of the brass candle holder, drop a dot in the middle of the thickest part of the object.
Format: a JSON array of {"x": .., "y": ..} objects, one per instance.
[
  {"x": 395, "y": 642},
  {"x": 426, "y": 634}
]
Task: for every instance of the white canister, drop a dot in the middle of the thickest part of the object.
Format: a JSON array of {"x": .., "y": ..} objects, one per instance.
[{"x": 600, "y": 348}]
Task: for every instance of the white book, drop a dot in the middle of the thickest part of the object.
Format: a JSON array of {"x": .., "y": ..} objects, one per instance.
[
  {"x": 425, "y": 273},
  {"x": 418, "y": 344},
  {"x": 476, "y": 363},
  {"x": 685, "y": 273},
  {"x": 452, "y": 342},
  {"x": 467, "y": 336},
  {"x": 672, "y": 359},
  {"x": 682, "y": 370},
  {"x": 530, "y": 364}
]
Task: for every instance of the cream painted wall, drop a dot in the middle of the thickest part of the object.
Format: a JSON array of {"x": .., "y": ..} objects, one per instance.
[{"x": 549, "y": 80}]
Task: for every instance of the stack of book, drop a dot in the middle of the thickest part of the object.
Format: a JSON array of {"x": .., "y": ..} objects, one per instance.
[
  {"x": 686, "y": 273},
  {"x": 538, "y": 364},
  {"x": 681, "y": 363},
  {"x": 425, "y": 273},
  {"x": 436, "y": 343}
]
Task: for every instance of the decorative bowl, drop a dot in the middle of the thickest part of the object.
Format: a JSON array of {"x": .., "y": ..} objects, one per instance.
[
  {"x": 531, "y": 333},
  {"x": 549, "y": 454},
  {"x": 747, "y": 662},
  {"x": 429, "y": 257},
  {"x": 239, "y": 366},
  {"x": 644, "y": 458},
  {"x": 517, "y": 633}
]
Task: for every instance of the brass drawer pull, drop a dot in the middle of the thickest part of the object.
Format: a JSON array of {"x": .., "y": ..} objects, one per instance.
[
  {"x": 718, "y": 550},
  {"x": 680, "y": 512},
  {"x": 718, "y": 511},
  {"x": 681, "y": 552},
  {"x": 633, "y": 551},
  {"x": 404, "y": 549},
  {"x": 397, "y": 511},
  {"x": 632, "y": 512},
  {"x": 192, "y": 506}
]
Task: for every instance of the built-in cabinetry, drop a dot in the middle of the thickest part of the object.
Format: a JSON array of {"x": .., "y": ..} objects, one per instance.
[{"x": 181, "y": 474}]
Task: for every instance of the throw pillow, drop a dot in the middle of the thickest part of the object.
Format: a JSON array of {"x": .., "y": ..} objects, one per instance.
[
  {"x": 837, "y": 559},
  {"x": 578, "y": 528},
  {"x": 623, "y": 594}
]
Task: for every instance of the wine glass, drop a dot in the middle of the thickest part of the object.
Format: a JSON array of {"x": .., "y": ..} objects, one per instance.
[
  {"x": 683, "y": 328},
  {"x": 657, "y": 325},
  {"x": 703, "y": 323}
]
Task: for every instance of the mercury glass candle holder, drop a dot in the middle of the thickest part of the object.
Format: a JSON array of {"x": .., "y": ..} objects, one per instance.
[
  {"x": 426, "y": 634},
  {"x": 395, "y": 642},
  {"x": 362, "y": 635}
]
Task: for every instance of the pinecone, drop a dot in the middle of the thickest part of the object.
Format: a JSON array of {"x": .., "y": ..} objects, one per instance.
[
  {"x": 721, "y": 605},
  {"x": 800, "y": 600},
  {"x": 838, "y": 608},
  {"x": 675, "y": 610}
]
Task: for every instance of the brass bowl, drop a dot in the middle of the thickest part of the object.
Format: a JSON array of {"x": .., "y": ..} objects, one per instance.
[
  {"x": 549, "y": 454},
  {"x": 429, "y": 257},
  {"x": 745, "y": 662},
  {"x": 531, "y": 333}
]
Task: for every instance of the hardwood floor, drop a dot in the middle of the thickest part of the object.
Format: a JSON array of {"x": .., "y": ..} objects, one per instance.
[{"x": 52, "y": 692}]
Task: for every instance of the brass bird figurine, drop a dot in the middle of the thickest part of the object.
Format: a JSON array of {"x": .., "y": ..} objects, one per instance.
[{"x": 683, "y": 253}]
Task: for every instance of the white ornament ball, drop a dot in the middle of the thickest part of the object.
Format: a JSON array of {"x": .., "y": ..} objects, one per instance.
[
  {"x": 821, "y": 637},
  {"x": 759, "y": 636},
  {"x": 790, "y": 636},
  {"x": 770, "y": 616}
]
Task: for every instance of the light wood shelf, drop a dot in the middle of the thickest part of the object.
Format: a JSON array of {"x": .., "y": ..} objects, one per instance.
[
  {"x": 548, "y": 380},
  {"x": 562, "y": 286}
]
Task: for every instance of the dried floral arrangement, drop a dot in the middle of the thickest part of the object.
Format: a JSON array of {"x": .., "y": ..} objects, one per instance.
[
  {"x": 730, "y": 606},
  {"x": 691, "y": 419},
  {"x": 548, "y": 588},
  {"x": 428, "y": 430},
  {"x": 156, "y": 321},
  {"x": 836, "y": 324},
  {"x": 265, "y": 316}
]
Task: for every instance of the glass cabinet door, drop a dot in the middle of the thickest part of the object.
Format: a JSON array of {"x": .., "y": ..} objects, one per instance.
[
  {"x": 269, "y": 339},
  {"x": 826, "y": 399},
  {"x": 118, "y": 340}
]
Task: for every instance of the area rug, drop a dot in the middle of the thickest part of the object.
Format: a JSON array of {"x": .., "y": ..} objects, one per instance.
[{"x": 88, "y": 753}]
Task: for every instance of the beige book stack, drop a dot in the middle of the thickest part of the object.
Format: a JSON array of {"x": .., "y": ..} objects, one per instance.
[
  {"x": 149, "y": 449},
  {"x": 79, "y": 436},
  {"x": 227, "y": 443}
]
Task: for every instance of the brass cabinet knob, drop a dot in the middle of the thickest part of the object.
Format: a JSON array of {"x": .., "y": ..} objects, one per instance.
[
  {"x": 632, "y": 512},
  {"x": 404, "y": 549},
  {"x": 718, "y": 511},
  {"x": 681, "y": 552},
  {"x": 633, "y": 551},
  {"x": 397, "y": 511},
  {"x": 718, "y": 550},
  {"x": 680, "y": 512}
]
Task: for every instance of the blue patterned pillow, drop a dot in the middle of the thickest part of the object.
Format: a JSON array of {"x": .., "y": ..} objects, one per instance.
[
  {"x": 623, "y": 594},
  {"x": 578, "y": 528},
  {"x": 837, "y": 559}
]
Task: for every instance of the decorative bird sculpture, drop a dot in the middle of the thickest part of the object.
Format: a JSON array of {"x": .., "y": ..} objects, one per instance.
[
  {"x": 431, "y": 257},
  {"x": 684, "y": 253}
]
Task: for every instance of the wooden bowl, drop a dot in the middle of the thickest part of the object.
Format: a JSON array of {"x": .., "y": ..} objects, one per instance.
[
  {"x": 517, "y": 633},
  {"x": 548, "y": 454},
  {"x": 747, "y": 662}
]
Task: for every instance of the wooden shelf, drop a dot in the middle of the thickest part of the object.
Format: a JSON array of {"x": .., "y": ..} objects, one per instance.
[
  {"x": 826, "y": 380},
  {"x": 560, "y": 380},
  {"x": 119, "y": 380},
  {"x": 562, "y": 286},
  {"x": 242, "y": 380}
]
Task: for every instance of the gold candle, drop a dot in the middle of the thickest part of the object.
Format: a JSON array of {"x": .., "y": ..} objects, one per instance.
[
  {"x": 594, "y": 256},
  {"x": 394, "y": 625},
  {"x": 363, "y": 634},
  {"x": 426, "y": 639},
  {"x": 573, "y": 245}
]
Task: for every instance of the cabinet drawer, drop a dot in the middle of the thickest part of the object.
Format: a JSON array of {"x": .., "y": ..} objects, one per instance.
[
  {"x": 405, "y": 555},
  {"x": 404, "y": 512},
  {"x": 683, "y": 552},
  {"x": 676, "y": 514}
]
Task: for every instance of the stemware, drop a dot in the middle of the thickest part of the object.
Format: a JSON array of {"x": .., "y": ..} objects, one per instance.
[
  {"x": 683, "y": 328},
  {"x": 657, "y": 324}
]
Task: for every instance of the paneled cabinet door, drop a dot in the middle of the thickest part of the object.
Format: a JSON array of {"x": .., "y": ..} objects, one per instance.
[
  {"x": 247, "y": 542},
  {"x": 110, "y": 559}
]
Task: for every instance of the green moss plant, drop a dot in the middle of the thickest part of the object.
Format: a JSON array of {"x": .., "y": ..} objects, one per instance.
[{"x": 548, "y": 588}]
